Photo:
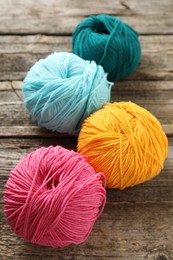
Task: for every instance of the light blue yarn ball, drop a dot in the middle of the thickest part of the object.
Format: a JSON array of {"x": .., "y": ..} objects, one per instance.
[{"x": 61, "y": 90}]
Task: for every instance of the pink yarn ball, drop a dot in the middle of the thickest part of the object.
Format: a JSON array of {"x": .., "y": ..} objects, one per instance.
[{"x": 53, "y": 197}]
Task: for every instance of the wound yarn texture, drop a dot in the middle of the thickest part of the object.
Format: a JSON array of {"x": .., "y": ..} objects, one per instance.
[
  {"x": 53, "y": 197},
  {"x": 61, "y": 90},
  {"x": 109, "y": 42},
  {"x": 124, "y": 141}
]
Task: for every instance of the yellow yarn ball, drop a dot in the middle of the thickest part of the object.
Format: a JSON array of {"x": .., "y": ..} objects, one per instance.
[{"x": 125, "y": 142}]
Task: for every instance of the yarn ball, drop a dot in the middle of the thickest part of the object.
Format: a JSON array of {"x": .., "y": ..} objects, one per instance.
[
  {"x": 61, "y": 90},
  {"x": 124, "y": 141},
  {"x": 53, "y": 197},
  {"x": 109, "y": 42}
]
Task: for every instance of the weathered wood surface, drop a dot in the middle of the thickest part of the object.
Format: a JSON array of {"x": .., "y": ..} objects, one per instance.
[
  {"x": 137, "y": 223},
  {"x": 156, "y": 96},
  {"x": 158, "y": 190},
  {"x": 19, "y": 53},
  {"x": 61, "y": 17},
  {"x": 124, "y": 231}
]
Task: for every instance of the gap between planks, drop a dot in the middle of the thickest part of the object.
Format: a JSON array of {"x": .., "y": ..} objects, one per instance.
[
  {"x": 157, "y": 97},
  {"x": 19, "y": 53}
]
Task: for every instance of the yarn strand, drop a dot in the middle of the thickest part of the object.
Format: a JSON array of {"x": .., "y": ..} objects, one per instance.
[
  {"x": 53, "y": 197},
  {"x": 125, "y": 142}
]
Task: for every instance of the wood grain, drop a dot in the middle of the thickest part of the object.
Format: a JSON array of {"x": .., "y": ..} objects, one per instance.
[
  {"x": 61, "y": 17},
  {"x": 127, "y": 229},
  {"x": 159, "y": 189},
  {"x": 19, "y": 53},
  {"x": 137, "y": 222},
  {"x": 124, "y": 231},
  {"x": 156, "y": 96}
]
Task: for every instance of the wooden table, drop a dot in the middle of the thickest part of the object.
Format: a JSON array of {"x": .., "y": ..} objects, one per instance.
[{"x": 137, "y": 223}]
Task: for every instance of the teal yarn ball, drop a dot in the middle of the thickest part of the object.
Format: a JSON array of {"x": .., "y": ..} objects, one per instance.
[
  {"x": 61, "y": 90},
  {"x": 110, "y": 43}
]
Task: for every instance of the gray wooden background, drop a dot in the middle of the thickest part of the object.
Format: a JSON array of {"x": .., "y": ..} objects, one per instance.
[{"x": 137, "y": 223}]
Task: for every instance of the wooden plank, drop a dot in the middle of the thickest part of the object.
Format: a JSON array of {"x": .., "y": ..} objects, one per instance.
[
  {"x": 36, "y": 131},
  {"x": 7, "y": 93},
  {"x": 43, "y": 44},
  {"x": 19, "y": 53},
  {"x": 136, "y": 223},
  {"x": 124, "y": 231},
  {"x": 158, "y": 189},
  {"x": 14, "y": 113},
  {"x": 156, "y": 96},
  {"x": 61, "y": 17}
]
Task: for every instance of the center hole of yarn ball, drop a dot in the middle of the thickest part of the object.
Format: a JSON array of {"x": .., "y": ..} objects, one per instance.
[
  {"x": 53, "y": 182},
  {"x": 100, "y": 28}
]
